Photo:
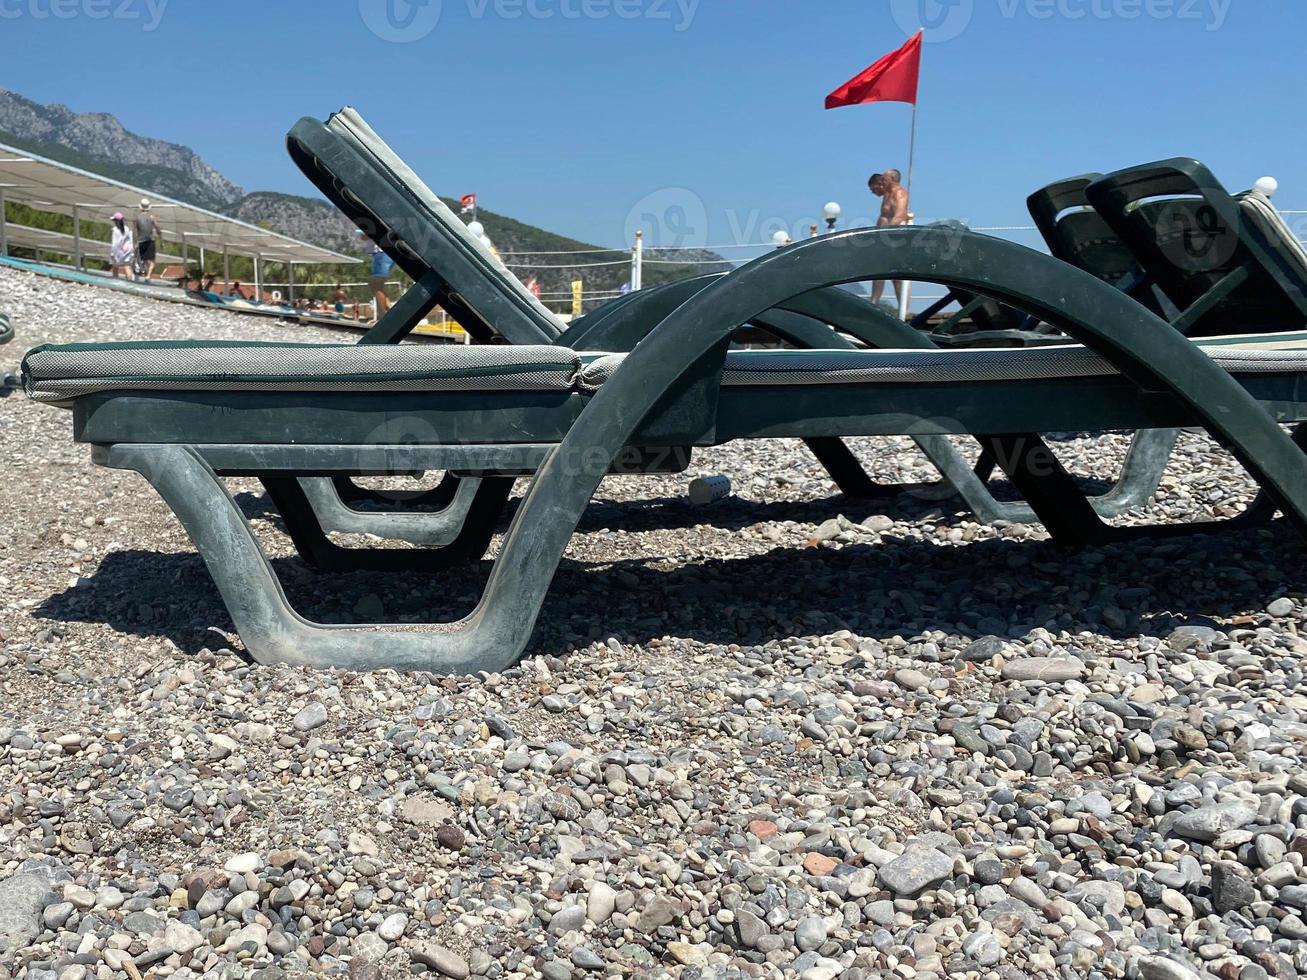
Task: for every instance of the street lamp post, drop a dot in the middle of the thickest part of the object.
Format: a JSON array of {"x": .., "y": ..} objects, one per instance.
[
  {"x": 478, "y": 231},
  {"x": 832, "y": 212}
]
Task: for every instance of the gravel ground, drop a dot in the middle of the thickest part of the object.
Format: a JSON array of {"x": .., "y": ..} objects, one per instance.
[{"x": 785, "y": 735}]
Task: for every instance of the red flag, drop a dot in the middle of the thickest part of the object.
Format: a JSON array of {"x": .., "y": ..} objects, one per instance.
[
  {"x": 892, "y": 79},
  {"x": 469, "y": 202}
]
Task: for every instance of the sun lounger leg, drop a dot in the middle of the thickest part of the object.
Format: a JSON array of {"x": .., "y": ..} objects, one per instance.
[
  {"x": 1140, "y": 476},
  {"x": 1139, "y": 479},
  {"x": 437, "y": 498},
  {"x": 431, "y": 529},
  {"x": 1070, "y": 517},
  {"x": 1263, "y": 508},
  {"x": 1051, "y": 492},
  {"x": 847, "y": 472},
  {"x": 223, "y": 537},
  {"x": 491, "y": 638},
  {"x": 468, "y": 544},
  {"x": 1141, "y": 473}
]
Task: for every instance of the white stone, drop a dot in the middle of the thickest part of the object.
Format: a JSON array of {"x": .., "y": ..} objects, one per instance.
[{"x": 244, "y": 863}]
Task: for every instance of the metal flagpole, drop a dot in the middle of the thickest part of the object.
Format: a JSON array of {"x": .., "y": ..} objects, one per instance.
[
  {"x": 912, "y": 152},
  {"x": 905, "y": 299}
]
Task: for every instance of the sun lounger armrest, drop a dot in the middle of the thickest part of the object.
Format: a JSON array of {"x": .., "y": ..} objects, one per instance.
[
  {"x": 1135, "y": 341},
  {"x": 623, "y": 324}
]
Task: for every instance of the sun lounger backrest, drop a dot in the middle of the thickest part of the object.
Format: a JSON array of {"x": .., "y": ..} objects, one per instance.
[
  {"x": 1191, "y": 235},
  {"x": 372, "y": 196},
  {"x": 1076, "y": 233},
  {"x": 351, "y": 125}
]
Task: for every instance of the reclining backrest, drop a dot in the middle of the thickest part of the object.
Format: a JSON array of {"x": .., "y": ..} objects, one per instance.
[
  {"x": 363, "y": 177},
  {"x": 1230, "y": 261},
  {"x": 347, "y": 122},
  {"x": 1076, "y": 233}
]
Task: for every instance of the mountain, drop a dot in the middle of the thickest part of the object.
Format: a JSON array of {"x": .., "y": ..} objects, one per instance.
[
  {"x": 99, "y": 138},
  {"x": 306, "y": 218},
  {"x": 99, "y": 143}
]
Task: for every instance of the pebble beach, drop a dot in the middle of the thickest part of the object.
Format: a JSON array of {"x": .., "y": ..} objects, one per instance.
[{"x": 784, "y": 735}]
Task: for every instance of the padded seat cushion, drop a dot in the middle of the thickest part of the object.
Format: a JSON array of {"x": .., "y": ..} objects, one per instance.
[
  {"x": 780, "y": 368},
  {"x": 61, "y": 373}
]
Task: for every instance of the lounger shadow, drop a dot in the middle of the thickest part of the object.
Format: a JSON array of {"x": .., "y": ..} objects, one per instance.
[{"x": 772, "y": 596}]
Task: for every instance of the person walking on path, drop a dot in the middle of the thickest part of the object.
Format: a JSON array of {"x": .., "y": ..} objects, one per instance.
[
  {"x": 147, "y": 235},
  {"x": 122, "y": 248},
  {"x": 382, "y": 265},
  {"x": 894, "y": 207}
]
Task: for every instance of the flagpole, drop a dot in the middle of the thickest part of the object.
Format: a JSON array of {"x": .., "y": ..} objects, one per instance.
[
  {"x": 912, "y": 152},
  {"x": 905, "y": 300}
]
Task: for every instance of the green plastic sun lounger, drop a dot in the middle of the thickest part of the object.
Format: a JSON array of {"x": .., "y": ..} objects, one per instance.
[
  {"x": 1222, "y": 262},
  {"x": 1073, "y": 233},
  {"x": 353, "y": 167},
  {"x": 1145, "y": 242},
  {"x": 182, "y": 414}
]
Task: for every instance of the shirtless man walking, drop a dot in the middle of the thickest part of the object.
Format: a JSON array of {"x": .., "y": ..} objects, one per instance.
[{"x": 893, "y": 212}]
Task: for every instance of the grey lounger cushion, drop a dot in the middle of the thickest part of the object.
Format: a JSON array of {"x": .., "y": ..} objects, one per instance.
[
  {"x": 59, "y": 374},
  {"x": 1277, "y": 354}
]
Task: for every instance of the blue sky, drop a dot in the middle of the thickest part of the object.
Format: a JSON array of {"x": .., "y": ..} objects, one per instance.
[{"x": 584, "y": 116}]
